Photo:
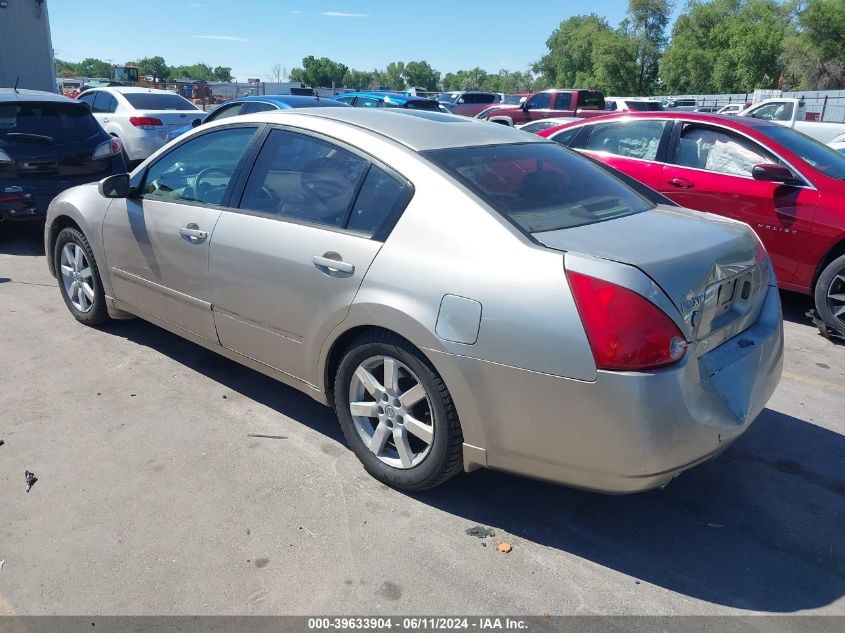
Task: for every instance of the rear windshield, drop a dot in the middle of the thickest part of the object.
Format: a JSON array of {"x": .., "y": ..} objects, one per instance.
[
  {"x": 645, "y": 106},
  {"x": 540, "y": 186},
  {"x": 46, "y": 122},
  {"x": 152, "y": 101},
  {"x": 824, "y": 158},
  {"x": 423, "y": 104}
]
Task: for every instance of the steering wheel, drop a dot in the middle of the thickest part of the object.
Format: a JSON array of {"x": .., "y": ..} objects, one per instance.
[{"x": 201, "y": 189}]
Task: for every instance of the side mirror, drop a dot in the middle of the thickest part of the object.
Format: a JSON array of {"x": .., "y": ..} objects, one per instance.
[
  {"x": 524, "y": 105},
  {"x": 773, "y": 173},
  {"x": 116, "y": 186},
  {"x": 196, "y": 123}
]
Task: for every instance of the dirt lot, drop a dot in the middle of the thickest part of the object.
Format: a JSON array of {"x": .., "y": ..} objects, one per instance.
[{"x": 155, "y": 497}]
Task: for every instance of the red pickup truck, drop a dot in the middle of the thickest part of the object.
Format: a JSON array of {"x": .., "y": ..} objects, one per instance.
[{"x": 549, "y": 103}]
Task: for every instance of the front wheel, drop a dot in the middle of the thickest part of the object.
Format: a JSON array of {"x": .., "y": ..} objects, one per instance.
[
  {"x": 79, "y": 277},
  {"x": 397, "y": 414},
  {"x": 830, "y": 295}
]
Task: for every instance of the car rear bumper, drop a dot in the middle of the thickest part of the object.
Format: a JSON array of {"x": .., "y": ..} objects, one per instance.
[
  {"x": 22, "y": 199},
  {"x": 624, "y": 432},
  {"x": 141, "y": 144}
]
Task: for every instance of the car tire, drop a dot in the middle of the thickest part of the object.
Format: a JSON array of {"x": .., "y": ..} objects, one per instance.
[
  {"x": 75, "y": 265},
  {"x": 431, "y": 463},
  {"x": 829, "y": 287}
]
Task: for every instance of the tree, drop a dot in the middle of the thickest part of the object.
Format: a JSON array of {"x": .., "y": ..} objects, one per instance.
[
  {"x": 569, "y": 62},
  {"x": 154, "y": 66},
  {"x": 391, "y": 76},
  {"x": 223, "y": 73},
  {"x": 813, "y": 55},
  {"x": 278, "y": 73},
  {"x": 646, "y": 26},
  {"x": 359, "y": 79},
  {"x": 194, "y": 71},
  {"x": 421, "y": 75},
  {"x": 319, "y": 73},
  {"x": 92, "y": 67}
]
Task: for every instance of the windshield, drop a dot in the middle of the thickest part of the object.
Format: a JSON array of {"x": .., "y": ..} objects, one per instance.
[
  {"x": 46, "y": 122},
  {"x": 540, "y": 186},
  {"x": 645, "y": 106},
  {"x": 154, "y": 101},
  {"x": 826, "y": 159}
]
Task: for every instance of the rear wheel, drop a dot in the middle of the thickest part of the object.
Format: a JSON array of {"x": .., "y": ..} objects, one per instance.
[
  {"x": 397, "y": 414},
  {"x": 830, "y": 295},
  {"x": 79, "y": 277}
]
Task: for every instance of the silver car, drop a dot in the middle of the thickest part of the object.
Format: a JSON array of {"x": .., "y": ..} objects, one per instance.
[{"x": 462, "y": 294}]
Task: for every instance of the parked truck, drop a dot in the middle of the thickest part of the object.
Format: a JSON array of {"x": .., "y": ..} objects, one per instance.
[
  {"x": 549, "y": 103},
  {"x": 792, "y": 113}
]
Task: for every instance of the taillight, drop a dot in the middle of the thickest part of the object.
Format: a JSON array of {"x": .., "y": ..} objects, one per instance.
[
  {"x": 145, "y": 122},
  {"x": 626, "y": 331},
  {"x": 111, "y": 147}
]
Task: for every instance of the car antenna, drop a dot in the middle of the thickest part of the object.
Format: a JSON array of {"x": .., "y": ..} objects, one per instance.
[{"x": 16, "y": 85}]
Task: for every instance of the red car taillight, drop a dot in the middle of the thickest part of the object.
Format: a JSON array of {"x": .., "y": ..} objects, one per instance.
[
  {"x": 145, "y": 122},
  {"x": 627, "y": 332}
]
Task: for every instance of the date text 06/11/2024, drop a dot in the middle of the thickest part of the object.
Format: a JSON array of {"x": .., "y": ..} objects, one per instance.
[{"x": 417, "y": 623}]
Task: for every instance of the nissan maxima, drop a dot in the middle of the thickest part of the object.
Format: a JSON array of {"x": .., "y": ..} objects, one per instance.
[{"x": 463, "y": 295}]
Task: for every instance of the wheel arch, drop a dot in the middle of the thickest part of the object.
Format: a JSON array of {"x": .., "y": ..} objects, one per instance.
[
  {"x": 501, "y": 120},
  {"x": 835, "y": 251}
]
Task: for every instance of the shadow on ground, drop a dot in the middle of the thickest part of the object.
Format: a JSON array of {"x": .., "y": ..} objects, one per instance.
[
  {"x": 760, "y": 528},
  {"x": 22, "y": 238}
]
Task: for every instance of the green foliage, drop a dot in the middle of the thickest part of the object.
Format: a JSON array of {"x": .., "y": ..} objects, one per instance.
[
  {"x": 92, "y": 67},
  {"x": 814, "y": 50},
  {"x": 421, "y": 75},
  {"x": 726, "y": 46},
  {"x": 223, "y": 73},
  {"x": 322, "y": 72},
  {"x": 155, "y": 67},
  {"x": 194, "y": 71}
]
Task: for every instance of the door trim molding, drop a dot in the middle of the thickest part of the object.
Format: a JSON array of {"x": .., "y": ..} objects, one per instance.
[{"x": 169, "y": 292}]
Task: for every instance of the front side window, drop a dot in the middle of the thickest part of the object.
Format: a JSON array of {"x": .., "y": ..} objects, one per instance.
[
  {"x": 823, "y": 157},
  {"x": 252, "y": 107},
  {"x": 200, "y": 169},
  {"x": 303, "y": 178},
  {"x": 369, "y": 102},
  {"x": 541, "y": 101},
  {"x": 346, "y": 100},
  {"x": 634, "y": 138},
  {"x": 716, "y": 149},
  {"x": 540, "y": 186}
]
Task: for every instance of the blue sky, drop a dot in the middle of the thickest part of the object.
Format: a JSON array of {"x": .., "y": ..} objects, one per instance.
[{"x": 252, "y": 36}]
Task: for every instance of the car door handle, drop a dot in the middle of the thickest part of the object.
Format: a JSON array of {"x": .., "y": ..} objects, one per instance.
[
  {"x": 681, "y": 183},
  {"x": 193, "y": 233},
  {"x": 334, "y": 265}
]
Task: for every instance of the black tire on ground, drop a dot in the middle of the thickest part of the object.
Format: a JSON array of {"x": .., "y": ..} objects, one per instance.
[
  {"x": 445, "y": 458},
  {"x": 832, "y": 272},
  {"x": 98, "y": 314}
]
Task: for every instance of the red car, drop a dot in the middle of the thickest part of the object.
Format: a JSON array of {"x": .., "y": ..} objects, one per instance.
[{"x": 787, "y": 186}]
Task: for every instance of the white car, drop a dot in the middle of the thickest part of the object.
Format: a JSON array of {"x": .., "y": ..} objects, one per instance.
[
  {"x": 791, "y": 112},
  {"x": 141, "y": 118},
  {"x": 731, "y": 108},
  {"x": 632, "y": 104}
]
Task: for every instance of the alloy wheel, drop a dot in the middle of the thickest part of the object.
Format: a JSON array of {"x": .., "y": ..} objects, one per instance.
[
  {"x": 77, "y": 277},
  {"x": 392, "y": 412},
  {"x": 836, "y": 296}
]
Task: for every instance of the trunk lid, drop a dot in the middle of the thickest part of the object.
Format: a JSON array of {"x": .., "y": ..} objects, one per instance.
[
  {"x": 173, "y": 119},
  {"x": 706, "y": 265}
]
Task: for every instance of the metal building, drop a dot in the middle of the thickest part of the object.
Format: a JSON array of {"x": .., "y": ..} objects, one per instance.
[{"x": 26, "y": 48}]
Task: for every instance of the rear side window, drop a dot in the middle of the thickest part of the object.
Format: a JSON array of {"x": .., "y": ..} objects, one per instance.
[
  {"x": 46, "y": 122},
  {"x": 423, "y": 105},
  {"x": 635, "y": 138},
  {"x": 299, "y": 177},
  {"x": 540, "y": 186},
  {"x": 104, "y": 102},
  {"x": 156, "y": 101},
  {"x": 590, "y": 100},
  {"x": 565, "y": 137},
  {"x": 380, "y": 202},
  {"x": 224, "y": 112},
  {"x": 257, "y": 106},
  {"x": 563, "y": 101}
]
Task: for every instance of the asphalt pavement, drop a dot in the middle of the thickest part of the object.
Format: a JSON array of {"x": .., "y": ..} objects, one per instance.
[{"x": 174, "y": 481}]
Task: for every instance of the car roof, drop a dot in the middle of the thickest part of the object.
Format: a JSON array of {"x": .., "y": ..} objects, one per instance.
[
  {"x": 393, "y": 96},
  {"x": 419, "y": 130},
  {"x": 135, "y": 89},
  {"x": 703, "y": 117},
  {"x": 8, "y": 95},
  {"x": 302, "y": 101}
]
